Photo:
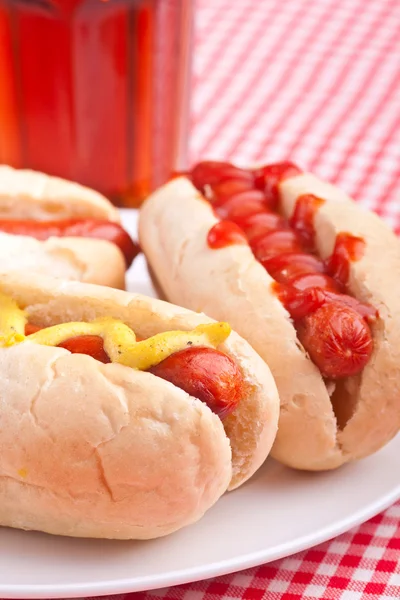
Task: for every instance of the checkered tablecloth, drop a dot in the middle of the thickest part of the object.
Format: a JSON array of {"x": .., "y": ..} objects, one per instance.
[
  {"x": 316, "y": 81},
  {"x": 362, "y": 564}
]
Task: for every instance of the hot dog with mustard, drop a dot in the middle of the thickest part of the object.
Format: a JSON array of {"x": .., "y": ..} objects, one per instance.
[{"x": 122, "y": 416}]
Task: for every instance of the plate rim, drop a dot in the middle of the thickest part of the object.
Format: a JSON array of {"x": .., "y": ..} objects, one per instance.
[{"x": 192, "y": 574}]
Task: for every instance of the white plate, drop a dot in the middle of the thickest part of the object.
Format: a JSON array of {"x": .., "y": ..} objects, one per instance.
[{"x": 277, "y": 513}]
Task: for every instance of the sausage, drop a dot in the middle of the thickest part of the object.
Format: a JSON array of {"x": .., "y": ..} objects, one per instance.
[
  {"x": 366, "y": 311},
  {"x": 337, "y": 339},
  {"x": 241, "y": 205},
  {"x": 29, "y": 328},
  {"x": 105, "y": 230},
  {"x": 275, "y": 243},
  {"x": 258, "y": 224},
  {"x": 285, "y": 267},
  {"x": 207, "y": 374},
  {"x": 314, "y": 280},
  {"x": 92, "y": 345},
  {"x": 40, "y": 230},
  {"x": 89, "y": 228},
  {"x": 225, "y": 190},
  {"x": 300, "y": 303},
  {"x": 210, "y": 173}
]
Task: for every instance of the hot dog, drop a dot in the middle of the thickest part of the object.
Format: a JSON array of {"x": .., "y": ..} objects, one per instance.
[
  {"x": 205, "y": 373},
  {"x": 61, "y": 228},
  {"x": 305, "y": 276},
  {"x": 122, "y": 416}
]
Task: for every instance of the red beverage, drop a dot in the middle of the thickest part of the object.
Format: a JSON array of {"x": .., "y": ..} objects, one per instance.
[{"x": 96, "y": 91}]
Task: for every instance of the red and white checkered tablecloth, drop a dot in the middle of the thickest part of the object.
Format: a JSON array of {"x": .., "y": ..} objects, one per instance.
[
  {"x": 317, "y": 82},
  {"x": 362, "y": 564}
]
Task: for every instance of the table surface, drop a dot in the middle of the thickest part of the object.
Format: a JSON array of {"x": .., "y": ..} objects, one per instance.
[{"x": 319, "y": 83}]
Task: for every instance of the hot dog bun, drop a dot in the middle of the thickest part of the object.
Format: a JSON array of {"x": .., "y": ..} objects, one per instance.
[
  {"x": 229, "y": 283},
  {"x": 104, "y": 450},
  {"x": 81, "y": 259},
  {"x": 26, "y": 194},
  {"x": 30, "y": 195}
]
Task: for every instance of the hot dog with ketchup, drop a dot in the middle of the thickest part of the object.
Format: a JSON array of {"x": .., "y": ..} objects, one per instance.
[
  {"x": 308, "y": 278},
  {"x": 60, "y": 228},
  {"x": 122, "y": 416}
]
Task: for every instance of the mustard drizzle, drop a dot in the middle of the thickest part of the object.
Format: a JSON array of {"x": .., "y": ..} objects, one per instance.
[{"x": 118, "y": 338}]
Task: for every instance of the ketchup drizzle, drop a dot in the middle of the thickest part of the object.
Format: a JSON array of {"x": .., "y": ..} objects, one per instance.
[
  {"x": 304, "y": 283},
  {"x": 302, "y": 219},
  {"x": 348, "y": 248},
  {"x": 268, "y": 178},
  {"x": 225, "y": 233}
]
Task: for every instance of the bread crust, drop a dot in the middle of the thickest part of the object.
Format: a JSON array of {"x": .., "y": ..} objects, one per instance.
[
  {"x": 107, "y": 451},
  {"x": 32, "y": 195},
  {"x": 375, "y": 394},
  {"x": 81, "y": 259},
  {"x": 230, "y": 284}
]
